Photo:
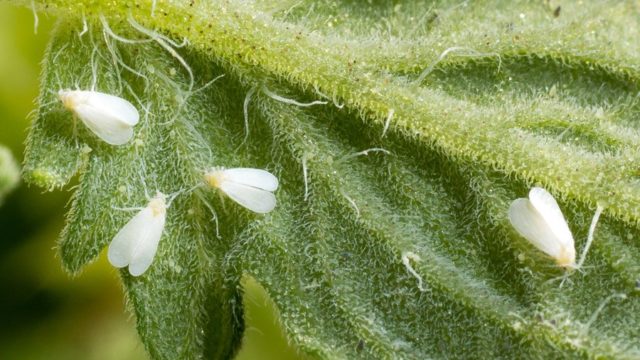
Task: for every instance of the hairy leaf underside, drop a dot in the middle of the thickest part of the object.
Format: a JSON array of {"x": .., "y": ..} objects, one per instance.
[{"x": 390, "y": 238}]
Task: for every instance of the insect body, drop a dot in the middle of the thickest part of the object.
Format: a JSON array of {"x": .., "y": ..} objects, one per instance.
[
  {"x": 540, "y": 220},
  {"x": 136, "y": 243},
  {"x": 251, "y": 188},
  {"x": 110, "y": 117}
]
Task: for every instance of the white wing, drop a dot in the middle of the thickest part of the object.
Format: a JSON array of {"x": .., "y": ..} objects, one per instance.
[
  {"x": 105, "y": 126},
  {"x": 146, "y": 248},
  {"x": 109, "y": 117},
  {"x": 254, "y": 199},
  {"x": 532, "y": 226},
  {"x": 113, "y": 106},
  {"x": 549, "y": 210},
  {"x": 257, "y": 178},
  {"x": 136, "y": 243}
]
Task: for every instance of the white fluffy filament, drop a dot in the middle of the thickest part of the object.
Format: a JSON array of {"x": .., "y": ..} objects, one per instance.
[
  {"x": 387, "y": 122},
  {"x": 277, "y": 97},
  {"x": 167, "y": 45},
  {"x": 592, "y": 230},
  {"x": 352, "y": 202},
  {"x": 85, "y": 26},
  {"x": 461, "y": 50},
  {"x": 245, "y": 110},
  {"x": 35, "y": 17},
  {"x": 107, "y": 29},
  {"x": 305, "y": 177},
  {"x": 406, "y": 260},
  {"x": 363, "y": 153}
]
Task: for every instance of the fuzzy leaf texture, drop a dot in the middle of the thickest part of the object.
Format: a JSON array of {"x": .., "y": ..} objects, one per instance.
[
  {"x": 401, "y": 251},
  {"x": 9, "y": 172}
]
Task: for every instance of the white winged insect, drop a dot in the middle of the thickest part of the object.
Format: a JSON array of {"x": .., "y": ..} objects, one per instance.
[
  {"x": 540, "y": 220},
  {"x": 110, "y": 117},
  {"x": 251, "y": 188},
  {"x": 136, "y": 243}
]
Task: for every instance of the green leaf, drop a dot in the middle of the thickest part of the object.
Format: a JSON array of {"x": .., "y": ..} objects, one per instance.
[
  {"x": 9, "y": 172},
  {"x": 186, "y": 305},
  {"x": 390, "y": 238}
]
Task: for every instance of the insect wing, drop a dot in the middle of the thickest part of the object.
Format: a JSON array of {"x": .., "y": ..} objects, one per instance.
[
  {"x": 122, "y": 245},
  {"x": 146, "y": 247},
  {"x": 548, "y": 208},
  {"x": 113, "y": 106},
  {"x": 109, "y": 117},
  {"x": 257, "y": 178},
  {"x": 532, "y": 226},
  {"x": 136, "y": 243},
  {"x": 254, "y": 199},
  {"x": 105, "y": 126}
]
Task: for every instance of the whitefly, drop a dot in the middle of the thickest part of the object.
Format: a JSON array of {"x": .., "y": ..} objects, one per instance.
[
  {"x": 135, "y": 245},
  {"x": 251, "y": 188},
  {"x": 110, "y": 117}
]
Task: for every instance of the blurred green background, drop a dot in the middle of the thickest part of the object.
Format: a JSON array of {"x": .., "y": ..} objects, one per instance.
[{"x": 44, "y": 313}]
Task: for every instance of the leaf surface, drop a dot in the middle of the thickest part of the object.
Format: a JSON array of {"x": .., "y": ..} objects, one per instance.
[{"x": 400, "y": 134}]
